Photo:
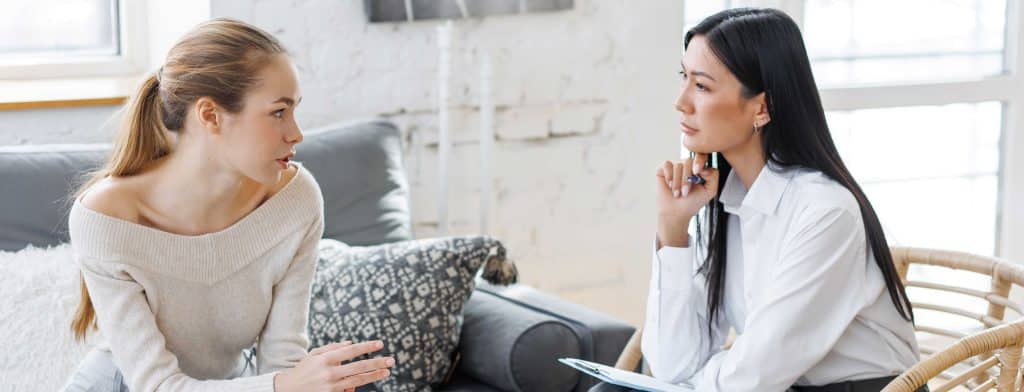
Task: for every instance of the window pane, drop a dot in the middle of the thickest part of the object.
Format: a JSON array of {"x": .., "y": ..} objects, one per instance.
[
  {"x": 856, "y": 42},
  {"x": 52, "y": 30},
  {"x": 931, "y": 172}
]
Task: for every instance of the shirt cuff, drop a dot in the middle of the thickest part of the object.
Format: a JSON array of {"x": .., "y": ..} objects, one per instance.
[{"x": 673, "y": 266}]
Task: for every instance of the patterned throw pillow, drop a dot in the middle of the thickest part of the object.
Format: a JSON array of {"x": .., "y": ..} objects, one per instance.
[{"x": 409, "y": 294}]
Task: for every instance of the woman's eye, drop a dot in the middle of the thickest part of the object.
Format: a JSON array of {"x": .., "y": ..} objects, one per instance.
[
  {"x": 278, "y": 113},
  {"x": 701, "y": 87},
  {"x": 683, "y": 74}
]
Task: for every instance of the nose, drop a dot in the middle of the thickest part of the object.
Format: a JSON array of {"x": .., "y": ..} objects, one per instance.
[
  {"x": 684, "y": 102},
  {"x": 294, "y": 134}
]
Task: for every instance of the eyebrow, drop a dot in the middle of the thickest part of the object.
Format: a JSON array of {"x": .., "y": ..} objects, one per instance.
[
  {"x": 698, "y": 73},
  {"x": 288, "y": 101}
]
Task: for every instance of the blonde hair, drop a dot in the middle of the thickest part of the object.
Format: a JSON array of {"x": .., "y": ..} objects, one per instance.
[{"x": 218, "y": 59}]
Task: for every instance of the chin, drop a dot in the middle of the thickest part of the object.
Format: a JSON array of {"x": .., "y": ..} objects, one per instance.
[{"x": 697, "y": 146}]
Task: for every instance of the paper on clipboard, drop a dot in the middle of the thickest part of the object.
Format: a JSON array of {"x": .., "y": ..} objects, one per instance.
[{"x": 621, "y": 377}]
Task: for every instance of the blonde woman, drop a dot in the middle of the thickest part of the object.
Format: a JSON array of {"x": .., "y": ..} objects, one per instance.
[{"x": 198, "y": 238}]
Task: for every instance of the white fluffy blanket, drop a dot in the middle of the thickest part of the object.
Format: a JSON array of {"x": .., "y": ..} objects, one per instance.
[{"x": 38, "y": 295}]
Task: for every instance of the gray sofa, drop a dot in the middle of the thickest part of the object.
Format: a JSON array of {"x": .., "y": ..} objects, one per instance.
[{"x": 511, "y": 336}]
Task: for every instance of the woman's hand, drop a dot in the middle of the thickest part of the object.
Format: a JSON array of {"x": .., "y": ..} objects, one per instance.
[
  {"x": 322, "y": 370},
  {"x": 678, "y": 200}
]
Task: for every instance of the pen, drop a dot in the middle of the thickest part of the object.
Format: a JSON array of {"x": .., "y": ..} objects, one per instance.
[{"x": 694, "y": 179}]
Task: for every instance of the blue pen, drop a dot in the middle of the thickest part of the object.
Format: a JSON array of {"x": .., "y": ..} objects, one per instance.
[{"x": 695, "y": 179}]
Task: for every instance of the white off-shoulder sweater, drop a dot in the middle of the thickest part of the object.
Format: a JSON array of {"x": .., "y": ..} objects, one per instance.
[{"x": 177, "y": 311}]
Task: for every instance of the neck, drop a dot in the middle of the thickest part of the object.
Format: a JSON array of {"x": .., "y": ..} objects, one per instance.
[
  {"x": 200, "y": 190},
  {"x": 747, "y": 160}
]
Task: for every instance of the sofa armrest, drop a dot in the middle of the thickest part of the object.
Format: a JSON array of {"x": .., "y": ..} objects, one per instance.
[{"x": 506, "y": 325}]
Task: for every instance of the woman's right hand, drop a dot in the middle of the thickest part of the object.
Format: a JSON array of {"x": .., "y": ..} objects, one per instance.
[
  {"x": 322, "y": 370},
  {"x": 678, "y": 200}
]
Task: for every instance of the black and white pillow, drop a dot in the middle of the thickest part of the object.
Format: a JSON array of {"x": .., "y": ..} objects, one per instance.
[{"x": 408, "y": 294}]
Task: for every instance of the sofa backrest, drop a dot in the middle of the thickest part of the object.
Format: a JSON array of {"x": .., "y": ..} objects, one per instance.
[{"x": 358, "y": 166}]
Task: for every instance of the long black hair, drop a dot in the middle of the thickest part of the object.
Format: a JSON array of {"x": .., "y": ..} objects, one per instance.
[{"x": 763, "y": 48}]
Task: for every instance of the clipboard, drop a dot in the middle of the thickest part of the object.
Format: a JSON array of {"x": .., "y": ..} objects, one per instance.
[{"x": 623, "y": 378}]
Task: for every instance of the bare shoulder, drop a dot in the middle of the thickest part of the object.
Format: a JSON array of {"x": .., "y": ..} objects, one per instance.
[{"x": 114, "y": 197}]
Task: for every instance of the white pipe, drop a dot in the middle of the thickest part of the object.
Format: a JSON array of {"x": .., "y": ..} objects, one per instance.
[
  {"x": 444, "y": 43},
  {"x": 486, "y": 140}
]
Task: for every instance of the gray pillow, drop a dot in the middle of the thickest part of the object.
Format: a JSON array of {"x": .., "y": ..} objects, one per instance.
[
  {"x": 408, "y": 294},
  {"x": 359, "y": 168},
  {"x": 516, "y": 348}
]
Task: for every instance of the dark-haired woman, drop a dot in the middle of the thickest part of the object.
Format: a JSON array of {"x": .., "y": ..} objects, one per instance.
[{"x": 788, "y": 250}]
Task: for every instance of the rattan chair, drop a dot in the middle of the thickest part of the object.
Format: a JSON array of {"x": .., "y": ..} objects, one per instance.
[
  {"x": 1002, "y": 276},
  {"x": 1000, "y": 370}
]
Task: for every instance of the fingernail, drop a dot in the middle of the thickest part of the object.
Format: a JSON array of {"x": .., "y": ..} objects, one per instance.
[
  {"x": 390, "y": 362},
  {"x": 675, "y": 193},
  {"x": 686, "y": 190},
  {"x": 696, "y": 167}
]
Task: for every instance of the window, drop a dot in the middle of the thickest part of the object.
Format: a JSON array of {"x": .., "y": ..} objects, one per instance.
[
  {"x": 70, "y": 38},
  {"x": 867, "y": 42},
  {"x": 924, "y": 165}
]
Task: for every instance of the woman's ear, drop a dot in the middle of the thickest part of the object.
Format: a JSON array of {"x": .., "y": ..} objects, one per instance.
[
  {"x": 761, "y": 116},
  {"x": 208, "y": 114}
]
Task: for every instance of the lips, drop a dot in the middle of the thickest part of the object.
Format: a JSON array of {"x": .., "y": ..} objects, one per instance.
[
  {"x": 687, "y": 129},
  {"x": 283, "y": 162}
]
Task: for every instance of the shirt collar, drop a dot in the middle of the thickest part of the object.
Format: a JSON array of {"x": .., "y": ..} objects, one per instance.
[{"x": 764, "y": 195}]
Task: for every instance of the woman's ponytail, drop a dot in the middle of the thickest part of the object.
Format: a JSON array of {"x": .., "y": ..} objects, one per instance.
[{"x": 142, "y": 140}]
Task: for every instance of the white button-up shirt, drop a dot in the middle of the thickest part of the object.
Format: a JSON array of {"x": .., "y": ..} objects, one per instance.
[{"x": 802, "y": 291}]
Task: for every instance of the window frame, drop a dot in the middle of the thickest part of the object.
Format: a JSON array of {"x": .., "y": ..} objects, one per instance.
[{"x": 131, "y": 61}]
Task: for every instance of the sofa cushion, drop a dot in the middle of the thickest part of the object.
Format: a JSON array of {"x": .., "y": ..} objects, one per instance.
[
  {"x": 408, "y": 294},
  {"x": 358, "y": 166}
]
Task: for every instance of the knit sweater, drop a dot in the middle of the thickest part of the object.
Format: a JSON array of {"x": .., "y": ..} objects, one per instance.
[{"x": 177, "y": 311}]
